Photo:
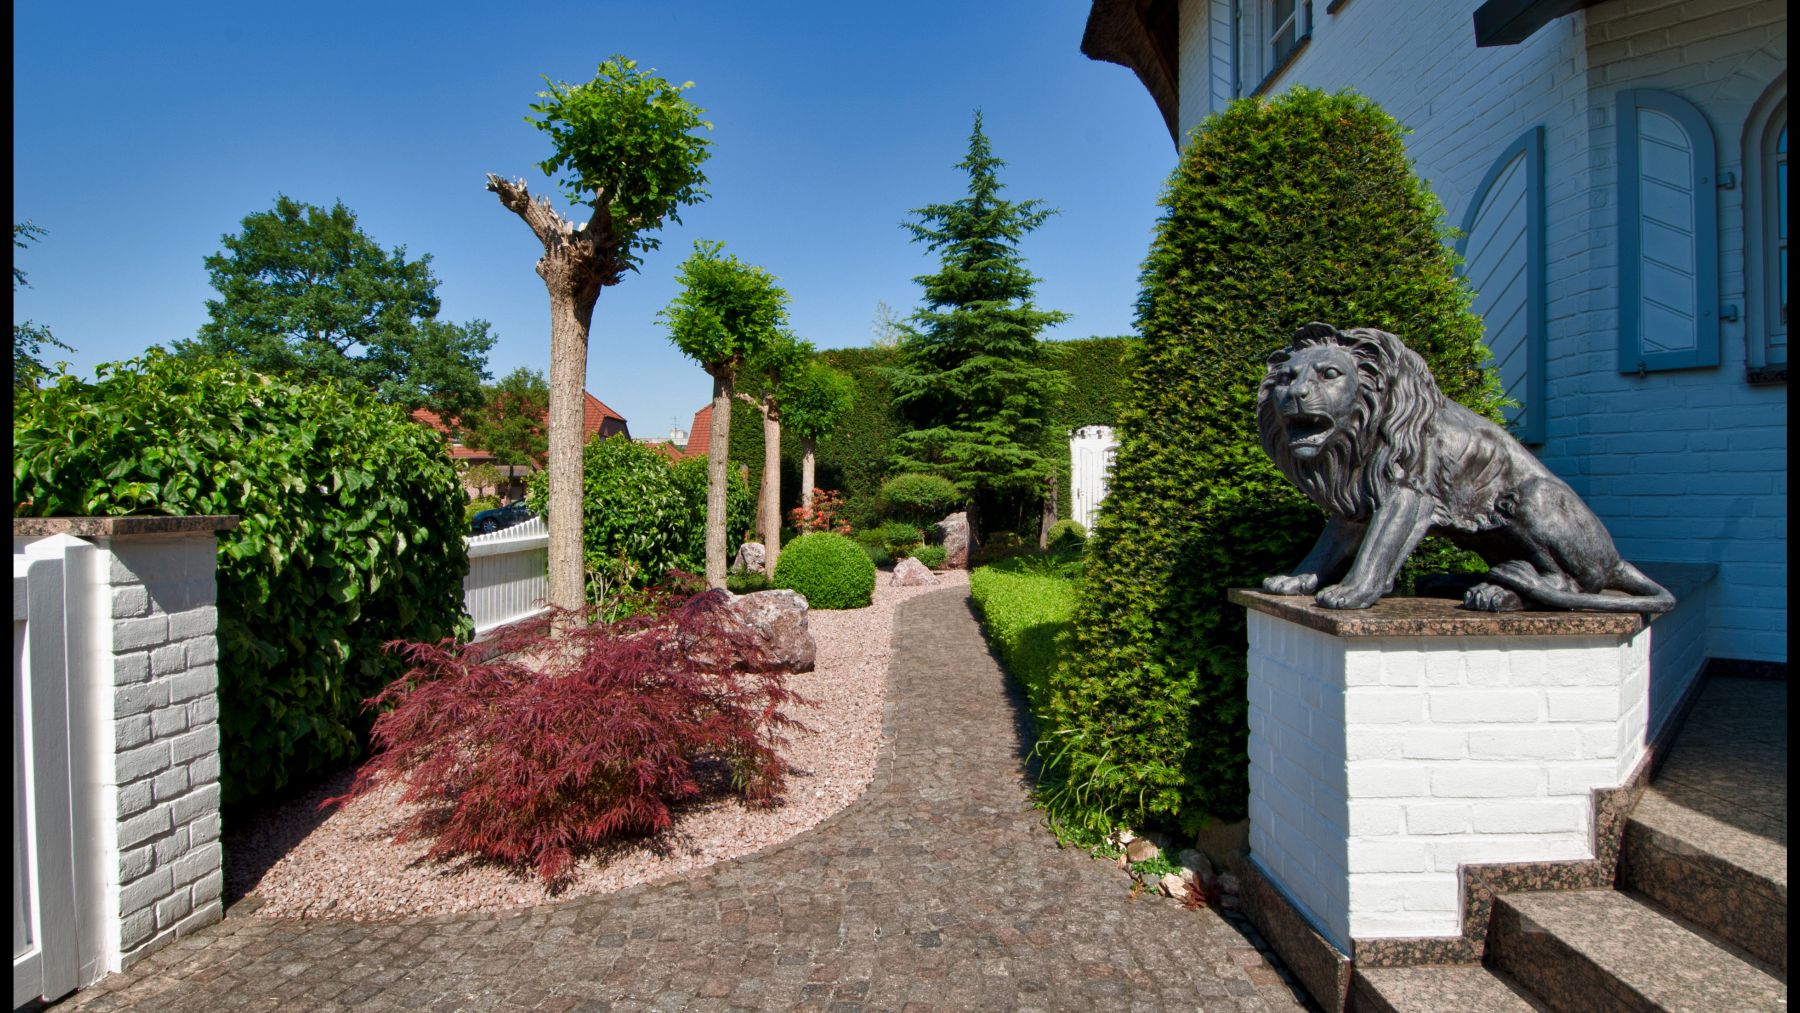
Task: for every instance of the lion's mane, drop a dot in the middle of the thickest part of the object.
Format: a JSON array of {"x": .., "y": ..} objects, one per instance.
[{"x": 1397, "y": 399}]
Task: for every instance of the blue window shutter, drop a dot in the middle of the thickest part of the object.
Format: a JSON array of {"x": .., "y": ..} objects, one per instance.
[
  {"x": 1668, "y": 234},
  {"x": 1502, "y": 248}
]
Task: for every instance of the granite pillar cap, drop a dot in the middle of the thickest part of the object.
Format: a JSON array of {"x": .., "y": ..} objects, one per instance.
[
  {"x": 113, "y": 527},
  {"x": 1434, "y": 617}
]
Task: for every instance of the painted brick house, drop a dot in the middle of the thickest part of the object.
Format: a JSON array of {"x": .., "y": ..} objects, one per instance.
[{"x": 1619, "y": 169}]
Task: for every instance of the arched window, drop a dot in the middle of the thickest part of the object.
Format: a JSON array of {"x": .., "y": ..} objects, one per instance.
[
  {"x": 1766, "y": 235},
  {"x": 1668, "y": 234},
  {"x": 1502, "y": 247}
]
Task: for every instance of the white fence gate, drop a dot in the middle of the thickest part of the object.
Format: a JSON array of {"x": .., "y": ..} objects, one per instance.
[
  {"x": 1091, "y": 451},
  {"x": 508, "y": 575},
  {"x": 46, "y": 946}
]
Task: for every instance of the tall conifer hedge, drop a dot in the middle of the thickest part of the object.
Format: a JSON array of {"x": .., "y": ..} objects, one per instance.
[{"x": 1282, "y": 211}]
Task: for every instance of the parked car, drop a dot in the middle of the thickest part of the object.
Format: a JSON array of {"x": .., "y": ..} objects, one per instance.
[{"x": 488, "y": 521}]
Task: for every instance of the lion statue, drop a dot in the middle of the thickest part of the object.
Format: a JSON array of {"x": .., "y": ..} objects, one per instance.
[{"x": 1355, "y": 420}]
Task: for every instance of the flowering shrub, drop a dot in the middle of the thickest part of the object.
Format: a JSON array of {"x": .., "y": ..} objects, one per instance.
[
  {"x": 596, "y": 737},
  {"x": 826, "y": 514}
]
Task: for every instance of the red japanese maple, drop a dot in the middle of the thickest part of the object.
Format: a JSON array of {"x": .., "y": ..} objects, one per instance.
[{"x": 560, "y": 744}]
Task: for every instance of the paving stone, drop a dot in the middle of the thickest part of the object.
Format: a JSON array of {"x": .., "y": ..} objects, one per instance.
[{"x": 885, "y": 905}]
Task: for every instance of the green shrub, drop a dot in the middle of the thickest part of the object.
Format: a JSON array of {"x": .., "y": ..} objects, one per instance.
[
  {"x": 1065, "y": 533},
  {"x": 350, "y": 534},
  {"x": 636, "y": 524},
  {"x": 922, "y": 499},
  {"x": 1281, "y": 212},
  {"x": 747, "y": 581},
  {"x": 1026, "y": 613},
  {"x": 829, "y": 570},
  {"x": 997, "y": 545},
  {"x": 894, "y": 536},
  {"x": 878, "y": 556},
  {"x": 477, "y": 505},
  {"x": 740, "y": 509},
  {"x": 931, "y": 555}
]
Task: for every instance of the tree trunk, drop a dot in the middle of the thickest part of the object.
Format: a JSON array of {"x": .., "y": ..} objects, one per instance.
[
  {"x": 1049, "y": 511},
  {"x": 771, "y": 505},
  {"x": 568, "y": 375},
  {"x": 718, "y": 445},
  {"x": 806, "y": 471}
]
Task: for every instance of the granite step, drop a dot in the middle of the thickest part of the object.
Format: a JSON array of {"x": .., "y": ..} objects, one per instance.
[
  {"x": 1604, "y": 950},
  {"x": 1728, "y": 880},
  {"x": 1464, "y": 987}
]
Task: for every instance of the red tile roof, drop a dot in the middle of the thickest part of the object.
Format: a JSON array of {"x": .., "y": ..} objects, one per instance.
[
  {"x": 596, "y": 418},
  {"x": 700, "y": 433}
]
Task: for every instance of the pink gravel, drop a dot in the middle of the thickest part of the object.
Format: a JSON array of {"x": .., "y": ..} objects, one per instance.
[{"x": 347, "y": 866}]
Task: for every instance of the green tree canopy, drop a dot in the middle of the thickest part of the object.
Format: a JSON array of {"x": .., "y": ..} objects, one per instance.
[
  {"x": 727, "y": 312},
  {"x": 626, "y": 142},
  {"x": 302, "y": 289},
  {"x": 511, "y": 422},
  {"x": 816, "y": 399},
  {"x": 971, "y": 381},
  {"x": 29, "y": 339}
]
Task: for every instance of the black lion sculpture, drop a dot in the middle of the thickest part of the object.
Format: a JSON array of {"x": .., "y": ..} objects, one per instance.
[{"x": 1355, "y": 420}]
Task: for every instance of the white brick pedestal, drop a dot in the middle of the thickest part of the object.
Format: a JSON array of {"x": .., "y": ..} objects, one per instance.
[
  {"x": 1389, "y": 747},
  {"x": 143, "y": 717}
]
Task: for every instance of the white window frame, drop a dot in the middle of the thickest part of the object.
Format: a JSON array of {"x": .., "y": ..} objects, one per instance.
[
  {"x": 1764, "y": 238},
  {"x": 1265, "y": 41}
]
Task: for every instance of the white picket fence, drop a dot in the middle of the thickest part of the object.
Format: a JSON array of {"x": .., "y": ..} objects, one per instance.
[{"x": 508, "y": 575}]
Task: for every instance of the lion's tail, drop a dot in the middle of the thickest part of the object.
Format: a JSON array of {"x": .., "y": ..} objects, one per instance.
[{"x": 1646, "y": 594}]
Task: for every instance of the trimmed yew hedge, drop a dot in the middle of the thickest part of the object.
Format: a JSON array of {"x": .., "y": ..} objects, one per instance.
[{"x": 1281, "y": 212}]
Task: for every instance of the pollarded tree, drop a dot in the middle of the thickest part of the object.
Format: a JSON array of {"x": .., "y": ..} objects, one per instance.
[
  {"x": 304, "y": 290},
  {"x": 817, "y": 399},
  {"x": 1281, "y": 212},
  {"x": 510, "y": 424},
  {"x": 727, "y": 313},
  {"x": 765, "y": 383},
  {"x": 626, "y": 143},
  {"x": 972, "y": 381}
]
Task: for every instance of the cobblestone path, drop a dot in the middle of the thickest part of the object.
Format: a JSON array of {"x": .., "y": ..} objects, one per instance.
[{"x": 938, "y": 889}]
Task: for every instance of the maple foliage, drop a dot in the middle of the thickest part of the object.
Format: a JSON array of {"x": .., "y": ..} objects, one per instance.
[
  {"x": 825, "y": 514},
  {"x": 531, "y": 750}
]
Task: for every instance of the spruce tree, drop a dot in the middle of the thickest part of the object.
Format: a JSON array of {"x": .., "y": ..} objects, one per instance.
[{"x": 972, "y": 383}]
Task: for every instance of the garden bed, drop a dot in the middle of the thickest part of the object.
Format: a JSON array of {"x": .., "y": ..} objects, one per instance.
[{"x": 346, "y": 865}]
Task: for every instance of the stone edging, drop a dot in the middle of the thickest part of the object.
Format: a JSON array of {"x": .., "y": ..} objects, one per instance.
[{"x": 110, "y": 527}]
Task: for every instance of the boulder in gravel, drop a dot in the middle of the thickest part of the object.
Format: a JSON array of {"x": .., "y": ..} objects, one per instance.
[
  {"x": 1140, "y": 850},
  {"x": 909, "y": 572},
  {"x": 751, "y": 556},
  {"x": 778, "y": 618},
  {"x": 953, "y": 534}
]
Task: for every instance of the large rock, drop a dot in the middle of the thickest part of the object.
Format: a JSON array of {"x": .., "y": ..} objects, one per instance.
[
  {"x": 909, "y": 572},
  {"x": 778, "y": 618},
  {"x": 953, "y": 535},
  {"x": 751, "y": 556}
]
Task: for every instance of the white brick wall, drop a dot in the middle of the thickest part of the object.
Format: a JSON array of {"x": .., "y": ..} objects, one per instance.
[
  {"x": 1378, "y": 766},
  {"x": 168, "y": 875},
  {"x": 1684, "y": 466}
]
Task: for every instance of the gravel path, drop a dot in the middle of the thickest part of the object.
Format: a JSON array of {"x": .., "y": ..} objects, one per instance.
[{"x": 299, "y": 862}]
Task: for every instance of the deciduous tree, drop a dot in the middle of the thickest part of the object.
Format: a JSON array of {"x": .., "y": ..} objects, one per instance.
[
  {"x": 626, "y": 145},
  {"x": 972, "y": 381},
  {"x": 817, "y": 399},
  {"x": 727, "y": 312},
  {"x": 511, "y": 422},
  {"x": 303, "y": 290},
  {"x": 770, "y": 375},
  {"x": 29, "y": 339}
]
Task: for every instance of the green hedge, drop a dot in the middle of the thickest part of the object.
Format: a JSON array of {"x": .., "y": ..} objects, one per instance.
[
  {"x": 351, "y": 534},
  {"x": 1281, "y": 212},
  {"x": 1027, "y": 613}
]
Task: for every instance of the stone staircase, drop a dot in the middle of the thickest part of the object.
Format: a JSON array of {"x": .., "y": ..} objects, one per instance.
[{"x": 1697, "y": 917}]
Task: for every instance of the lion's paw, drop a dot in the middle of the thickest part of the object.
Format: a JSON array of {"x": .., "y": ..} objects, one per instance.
[
  {"x": 1493, "y": 598},
  {"x": 1296, "y": 583},
  {"x": 1344, "y": 596}
]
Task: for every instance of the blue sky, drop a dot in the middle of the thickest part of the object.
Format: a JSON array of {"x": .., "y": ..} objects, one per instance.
[{"x": 143, "y": 133}]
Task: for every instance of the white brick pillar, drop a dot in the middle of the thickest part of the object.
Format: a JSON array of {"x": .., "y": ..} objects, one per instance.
[
  {"x": 144, "y": 724},
  {"x": 1392, "y": 745}
]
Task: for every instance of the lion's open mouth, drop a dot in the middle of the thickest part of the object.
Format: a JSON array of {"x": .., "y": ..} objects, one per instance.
[{"x": 1305, "y": 430}]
